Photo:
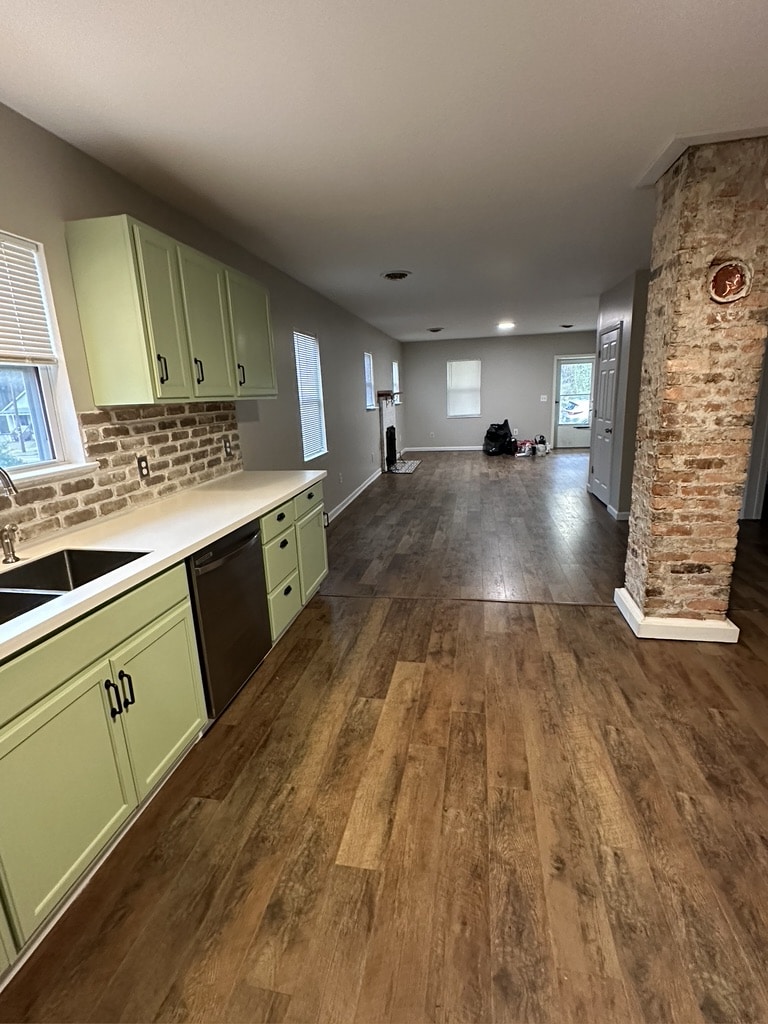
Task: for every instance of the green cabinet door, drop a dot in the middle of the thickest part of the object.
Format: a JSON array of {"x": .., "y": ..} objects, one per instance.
[
  {"x": 65, "y": 789},
  {"x": 161, "y": 691},
  {"x": 313, "y": 557},
  {"x": 251, "y": 337},
  {"x": 205, "y": 307},
  {"x": 157, "y": 262},
  {"x": 7, "y": 955}
]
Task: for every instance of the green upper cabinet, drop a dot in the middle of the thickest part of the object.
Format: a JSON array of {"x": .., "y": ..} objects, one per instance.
[
  {"x": 157, "y": 261},
  {"x": 162, "y": 697},
  {"x": 251, "y": 337},
  {"x": 65, "y": 789},
  {"x": 128, "y": 289},
  {"x": 205, "y": 307},
  {"x": 164, "y": 322}
]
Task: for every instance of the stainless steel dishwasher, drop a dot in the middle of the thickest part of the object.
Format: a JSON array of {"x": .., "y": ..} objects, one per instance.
[{"x": 229, "y": 594}]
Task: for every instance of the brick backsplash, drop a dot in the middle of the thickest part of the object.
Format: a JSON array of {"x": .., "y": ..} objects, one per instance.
[{"x": 183, "y": 443}]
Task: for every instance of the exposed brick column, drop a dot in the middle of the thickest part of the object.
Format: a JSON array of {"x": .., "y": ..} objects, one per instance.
[{"x": 701, "y": 367}]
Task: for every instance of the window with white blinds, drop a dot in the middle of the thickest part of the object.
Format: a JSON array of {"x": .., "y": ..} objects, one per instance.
[
  {"x": 370, "y": 398},
  {"x": 25, "y": 329},
  {"x": 396, "y": 381},
  {"x": 38, "y": 426},
  {"x": 463, "y": 387},
  {"x": 310, "y": 386}
]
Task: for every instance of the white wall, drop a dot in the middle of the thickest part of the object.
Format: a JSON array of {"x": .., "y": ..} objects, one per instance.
[
  {"x": 45, "y": 182},
  {"x": 515, "y": 373}
]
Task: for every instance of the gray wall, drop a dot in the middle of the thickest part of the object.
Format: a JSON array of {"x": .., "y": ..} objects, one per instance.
[
  {"x": 515, "y": 372},
  {"x": 625, "y": 303},
  {"x": 45, "y": 182}
]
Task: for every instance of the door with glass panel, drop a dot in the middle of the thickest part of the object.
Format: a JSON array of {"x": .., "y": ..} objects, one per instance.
[{"x": 573, "y": 400}]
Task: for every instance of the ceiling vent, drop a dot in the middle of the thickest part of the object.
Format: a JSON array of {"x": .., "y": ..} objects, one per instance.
[{"x": 396, "y": 275}]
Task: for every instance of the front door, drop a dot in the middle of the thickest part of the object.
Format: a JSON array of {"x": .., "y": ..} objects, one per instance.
[
  {"x": 609, "y": 342},
  {"x": 573, "y": 400}
]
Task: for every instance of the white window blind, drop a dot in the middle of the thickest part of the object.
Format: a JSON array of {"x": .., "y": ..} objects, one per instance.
[
  {"x": 25, "y": 330},
  {"x": 396, "y": 381},
  {"x": 370, "y": 399},
  {"x": 310, "y": 384},
  {"x": 464, "y": 387}
]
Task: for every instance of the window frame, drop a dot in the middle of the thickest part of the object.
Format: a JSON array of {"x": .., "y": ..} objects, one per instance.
[
  {"x": 370, "y": 393},
  {"x": 311, "y": 343},
  {"x": 55, "y": 389},
  {"x": 467, "y": 392}
]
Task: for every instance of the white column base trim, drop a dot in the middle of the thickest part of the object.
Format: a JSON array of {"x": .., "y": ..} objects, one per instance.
[
  {"x": 658, "y": 627},
  {"x": 621, "y": 517},
  {"x": 351, "y": 497}
]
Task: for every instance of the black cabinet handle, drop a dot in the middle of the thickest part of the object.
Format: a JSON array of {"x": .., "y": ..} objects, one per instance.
[
  {"x": 200, "y": 373},
  {"x": 241, "y": 373},
  {"x": 163, "y": 368},
  {"x": 310, "y": 496},
  {"x": 283, "y": 543},
  {"x": 280, "y": 516},
  {"x": 124, "y": 678},
  {"x": 114, "y": 711},
  {"x": 287, "y": 590}
]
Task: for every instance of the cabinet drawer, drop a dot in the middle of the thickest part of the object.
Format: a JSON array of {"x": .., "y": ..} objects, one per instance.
[
  {"x": 280, "y": 558},
  {"x": 276, "y": 521},
  {"x": 284, "y": 604},
  {"x": 308, "y": 499}
]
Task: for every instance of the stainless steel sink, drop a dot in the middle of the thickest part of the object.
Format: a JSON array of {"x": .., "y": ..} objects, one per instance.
[
  {"x": 15, "y": 602},
  {"x": 65, "y": 570}
]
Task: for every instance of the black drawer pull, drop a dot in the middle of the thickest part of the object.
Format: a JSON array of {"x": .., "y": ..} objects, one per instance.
[
  {"x": 200, "y": 374},
  {"x": 283, "y": 543},
  {"x": 163, "y": 369},
  {"x": 124, "y": 678},
  {"x": 241, "y": 374},
  {"x": 114, "y": 711},
  {"x": 280, "y": 516},
  {"x": 287, "y": 590},
  {"x": 310, "y": 496}
]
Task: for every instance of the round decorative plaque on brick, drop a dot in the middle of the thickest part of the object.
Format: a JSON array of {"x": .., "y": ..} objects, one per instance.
[{"x": 729, "y": 281}]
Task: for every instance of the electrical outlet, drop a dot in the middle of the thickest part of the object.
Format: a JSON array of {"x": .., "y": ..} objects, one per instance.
[
  {"x": 514, "y": 432},
  {"x": 341, "y": 478},
  {"x": 143, "y": 463},
  {"x": 227, "y": 448},
  {"x": 543, "y": 398}
]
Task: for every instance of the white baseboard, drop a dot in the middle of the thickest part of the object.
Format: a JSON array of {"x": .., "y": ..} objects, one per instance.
[
  {"x": 622, "y": 517},
  {"x": 351, "y": 497},
  {"x": 448, "y": 448},
  {"x": 656, "y": 627}
]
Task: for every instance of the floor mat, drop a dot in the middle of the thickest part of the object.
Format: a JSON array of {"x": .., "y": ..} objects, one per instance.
[{"x": 405, "y": 467}]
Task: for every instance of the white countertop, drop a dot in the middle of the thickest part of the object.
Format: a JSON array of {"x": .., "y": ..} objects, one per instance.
[{"x": 168, "y": 530}]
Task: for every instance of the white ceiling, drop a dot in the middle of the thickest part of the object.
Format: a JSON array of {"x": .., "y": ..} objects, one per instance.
[{"x": 493, "y": 147}]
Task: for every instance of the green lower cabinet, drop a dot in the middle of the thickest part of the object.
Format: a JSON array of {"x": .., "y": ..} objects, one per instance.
[
  {"x": 313, "y": 556},
  {"x": 7, "y": 954},
  {"x": 161, "y": 696},
  {"x": 65, "y": 789}
]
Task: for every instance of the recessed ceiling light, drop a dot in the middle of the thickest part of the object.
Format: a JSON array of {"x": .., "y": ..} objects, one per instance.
[
  {"x": 566, "y": 326},
  {"x": 505, "y": 325},
  {"x": 435, "y": 330},
  {"x": 396, "y": 275}
]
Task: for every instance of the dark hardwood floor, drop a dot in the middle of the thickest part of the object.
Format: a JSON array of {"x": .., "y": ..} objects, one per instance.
[{"x": 431, "y": 806}]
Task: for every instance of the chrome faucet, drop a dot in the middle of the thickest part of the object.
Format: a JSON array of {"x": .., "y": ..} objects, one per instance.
[
  {"x": 7, "y": 539},
  {"x": 8, "y": 486}
]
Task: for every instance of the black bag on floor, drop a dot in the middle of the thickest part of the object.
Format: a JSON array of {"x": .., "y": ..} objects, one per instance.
[{"x": 499, "y": 440}]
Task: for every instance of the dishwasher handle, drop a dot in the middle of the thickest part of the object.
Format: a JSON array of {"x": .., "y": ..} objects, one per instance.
[{"x": 202, "y": 570}]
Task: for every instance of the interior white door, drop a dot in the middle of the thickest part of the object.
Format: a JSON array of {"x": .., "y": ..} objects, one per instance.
[
  {"x": 573, "y": 400},
  {"x": 609, "y": 345}
]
